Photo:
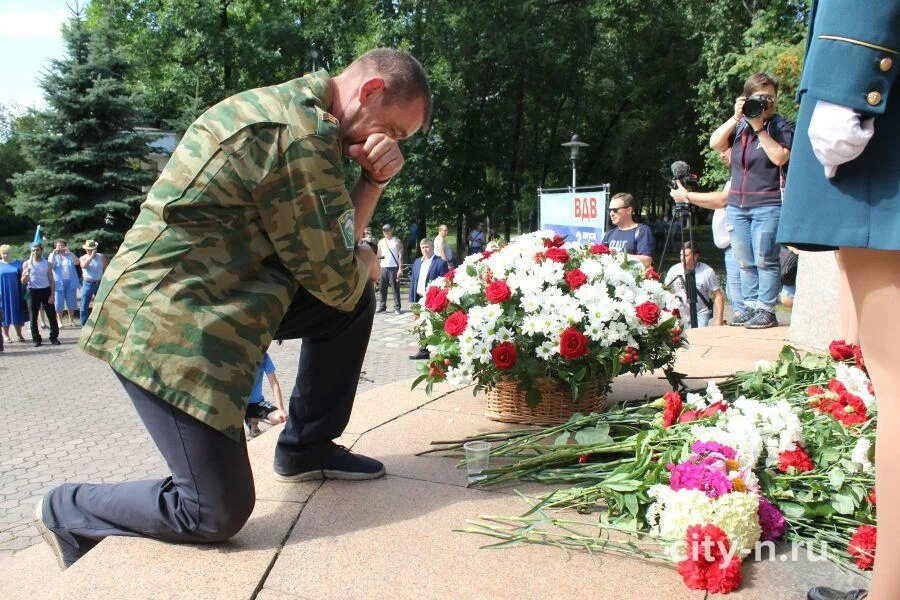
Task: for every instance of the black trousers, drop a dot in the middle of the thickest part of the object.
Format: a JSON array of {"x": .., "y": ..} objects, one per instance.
[
  {"x": 210, "y": 494},
  {"x": 389, "y": 278},
  {"x": 37, "y": 299}
]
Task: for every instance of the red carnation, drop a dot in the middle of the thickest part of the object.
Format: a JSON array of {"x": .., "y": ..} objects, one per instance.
[
  {"x": 714, "y": 408},
  {"x": 575, "y": 278},
  {"x": 708, "y": 565},
  {"x": 648, "y": 313},
  {"x": 651, "y": 273},
  {"x": 672, "y": 409},
  {"x": 689, "y": 416},
  {"x": 497, "y": 292},
  {"x": 560, "y": 255},
  {"x": 815, "y": 390},
  {"x": 858, "y": 358},
  {"x": 487, "y": 253},
  {"x": 450, "y": 275},
  {"x": 600, "y": 249},
  {"x": 572, "y": 343},
  {"x": 840, "y": 350},
  {"x": 862, "y": 546},
  {"x": 798, "y": 459},
  {"x": 504, "y": 355},
  {"x": 436, "y": 299},
  {"x": 847, "y": 408},
  {"x": 456, "y": 323}
]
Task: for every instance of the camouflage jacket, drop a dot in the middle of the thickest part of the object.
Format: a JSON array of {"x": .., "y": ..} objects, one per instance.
[{"x": 251, "y": 205}]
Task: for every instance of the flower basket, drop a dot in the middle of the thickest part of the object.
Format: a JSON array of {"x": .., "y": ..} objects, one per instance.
[
  {"x": 541, "y": 321},
  {"x": 507, "y": 402}
]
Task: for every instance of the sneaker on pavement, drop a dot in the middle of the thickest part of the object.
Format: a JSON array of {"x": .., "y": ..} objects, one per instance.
[
  {"x": 325, "y": 461},
  {"x": 825, "y": 593},
  {"x": 420, "y": 355},
  {"x": 57, "y": 545},
  {"x": 381, "y": 309},
  {"x": 54, "y": 341},
  {"x": 741, "y": 319},
  {"x": 763, "y": 319}
]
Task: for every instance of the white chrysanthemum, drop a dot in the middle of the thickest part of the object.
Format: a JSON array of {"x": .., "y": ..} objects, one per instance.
[
  {"x": 695, "y": 401},
  {"x": 778, "y": 425},
  {"x": 461, "y": 375},
  {"x": 713, "y": 392},
  {"x": 856, "y": 382},
  {"x": 860, "y": 455},
  {"x": 673, "y": 512}
]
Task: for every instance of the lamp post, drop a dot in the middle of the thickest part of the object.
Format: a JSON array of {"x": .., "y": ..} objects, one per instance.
[{"x": 574, "y": 145}]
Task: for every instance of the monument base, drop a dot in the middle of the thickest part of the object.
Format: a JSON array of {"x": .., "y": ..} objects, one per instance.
[{"x": 815, "y": 315}]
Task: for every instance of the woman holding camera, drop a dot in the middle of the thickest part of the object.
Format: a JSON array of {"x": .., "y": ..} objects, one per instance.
[{"x": 760, "y": 147}]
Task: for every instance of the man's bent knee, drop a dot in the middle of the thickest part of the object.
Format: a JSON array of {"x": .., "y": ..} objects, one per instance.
[{"x": 222, "y": 520}]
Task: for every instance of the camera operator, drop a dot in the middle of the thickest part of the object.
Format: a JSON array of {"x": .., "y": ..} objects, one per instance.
[
  {"x": 707, "y": 286},
  {"x": 760, "y": 143}
]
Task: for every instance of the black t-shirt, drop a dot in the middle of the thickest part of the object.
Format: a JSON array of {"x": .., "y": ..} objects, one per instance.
[{"x": 756, "y": 180}]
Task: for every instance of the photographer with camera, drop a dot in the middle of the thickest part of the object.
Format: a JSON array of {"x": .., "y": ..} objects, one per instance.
[{"x": 759, "y": 142}]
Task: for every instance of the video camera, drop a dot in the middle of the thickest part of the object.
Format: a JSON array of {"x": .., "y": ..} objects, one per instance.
[
  {"x": 756, "y": 105},
  {"x": 681, "y": 173}
]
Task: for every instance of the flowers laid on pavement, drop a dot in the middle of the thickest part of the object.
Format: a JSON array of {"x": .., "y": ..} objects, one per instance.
[
  {"x": 541, "y": 307},
  {"x": 699, "y": 479}
]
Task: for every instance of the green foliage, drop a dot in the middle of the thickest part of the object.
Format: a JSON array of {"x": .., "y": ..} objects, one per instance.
[{"x": 86, "y": 179}]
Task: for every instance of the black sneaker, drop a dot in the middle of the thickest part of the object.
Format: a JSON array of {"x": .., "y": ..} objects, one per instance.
[
  {"x": 65, "y": 554},
  {"x": 420, "y": 355},
  {"x": 825, "y": 593},
  {"x": 37, "y": 343},
  {"x": 54, "y": 341},
  {"x": 382, "y": 309},
  {"x": 325, "y": 461},
  {"x": 763, "y": 319},
  {"x": 741, "y": 319}
]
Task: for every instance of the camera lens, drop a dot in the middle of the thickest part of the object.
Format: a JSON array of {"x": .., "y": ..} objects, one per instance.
[{"x": 754, "y": 106}]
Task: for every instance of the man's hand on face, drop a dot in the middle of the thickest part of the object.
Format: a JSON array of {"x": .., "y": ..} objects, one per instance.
[
  {"x": 379, "y": 156},
  {"x": 365, "y": 254}
]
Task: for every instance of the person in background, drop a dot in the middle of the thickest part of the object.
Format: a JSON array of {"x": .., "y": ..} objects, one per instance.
[
  {"x": 258, "y": 408},
  {"x": 760, "y": 147},
  {"x": 65, "y": 280},
  {"x": 626, "y": 235},
  {"x": 707, "y": 288},
  {"x": 788, "y": 259},
  {"x": 92, "y": 266},
  {"x": 442, "y": 246},
  {"x": 390, "y": 249},
  {"x": 425, "y": 269},
  {"x": 38, "y": 276},
  {"x": 12, "y": 294},
  {"x": 476, "y": 239}
]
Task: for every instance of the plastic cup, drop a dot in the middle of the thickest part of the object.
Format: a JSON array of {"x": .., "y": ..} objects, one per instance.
[{"x": 478, "y": 456}]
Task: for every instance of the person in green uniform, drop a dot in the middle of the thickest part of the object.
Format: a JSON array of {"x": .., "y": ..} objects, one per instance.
[
  {"x": 248, "y": 235},
  {"x": 843, "y": 192}
]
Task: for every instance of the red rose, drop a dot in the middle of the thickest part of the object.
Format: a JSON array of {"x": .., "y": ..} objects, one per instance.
[
  {"x": 560, "y": 255},
  {"x": 708, "y": 565},
  {"x": 797, "y": 459},
  {"x": 651, "y": 273},
  {"x": 556, "y": 242},
  {"x": 572, "y": 343},
  {"x": 600, "y": 249},
  {"x": 497, "y": 292},
  {"x": 648, "y": 313},
  {"x": 862, "y": 546},
  {"x": 840, "y": 350},
  {"x": 456, "y": 323},
  {"x": 450, "y": 275},
  {"x": 487, "y": 253},
  {"x": 575, "y": 278},
  {"x": 504, "y": 355},
  {"x": 436, "y": 299},
  {"x": 673, "y": 407}
]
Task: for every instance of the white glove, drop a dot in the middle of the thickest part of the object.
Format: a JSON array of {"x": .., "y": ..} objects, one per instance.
[{"x": 838, "y": 134}]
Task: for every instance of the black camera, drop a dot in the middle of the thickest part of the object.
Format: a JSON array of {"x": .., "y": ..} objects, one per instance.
[{"x": 756, "y": 105}]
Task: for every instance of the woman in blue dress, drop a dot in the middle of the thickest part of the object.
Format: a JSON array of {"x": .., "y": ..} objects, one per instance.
[{"x": 12, "y": 294}]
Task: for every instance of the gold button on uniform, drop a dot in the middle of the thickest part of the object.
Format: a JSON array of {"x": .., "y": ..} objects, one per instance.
[
  {"x": 873, "y": 98},
  {"x": 885, "y": 64}
]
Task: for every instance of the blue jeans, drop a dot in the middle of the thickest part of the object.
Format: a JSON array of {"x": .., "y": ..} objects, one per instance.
[
  {"x": 753, "y": 234},
  {"x": 88, "y": 291},
  {"x": 733, "y": 282}
]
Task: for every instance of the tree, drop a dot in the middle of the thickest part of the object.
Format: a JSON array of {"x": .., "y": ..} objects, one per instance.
[
  {"x": 12, "y": 160},
  {"x": 86, "y": 179}
]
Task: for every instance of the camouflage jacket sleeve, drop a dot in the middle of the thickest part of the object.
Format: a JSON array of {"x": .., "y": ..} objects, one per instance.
[{"x": 308, "y": 216}]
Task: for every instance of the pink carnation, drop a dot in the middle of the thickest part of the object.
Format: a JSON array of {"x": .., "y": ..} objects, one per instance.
[
  {"x": 690, "y": 476},
  {"x": 771, "y": 520},
  {"x": 699, "y": 447}
]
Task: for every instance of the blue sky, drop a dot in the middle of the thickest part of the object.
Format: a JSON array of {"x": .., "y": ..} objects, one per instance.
[{"x": 29, "y": 38}]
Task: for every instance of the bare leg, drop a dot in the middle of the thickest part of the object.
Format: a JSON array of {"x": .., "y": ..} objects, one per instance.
[
  {"x": 19, "y": 333},
  {"x": 849, "y": 326},
  {"x": 6, "y": 333},
  {"x": 874, "y": 278}
]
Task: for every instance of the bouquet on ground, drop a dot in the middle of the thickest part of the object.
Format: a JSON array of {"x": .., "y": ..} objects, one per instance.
[{"x": 542, "y": 307}]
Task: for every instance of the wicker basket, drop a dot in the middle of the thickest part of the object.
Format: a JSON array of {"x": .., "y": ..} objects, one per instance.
[{"x": 506, "y": 402}]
